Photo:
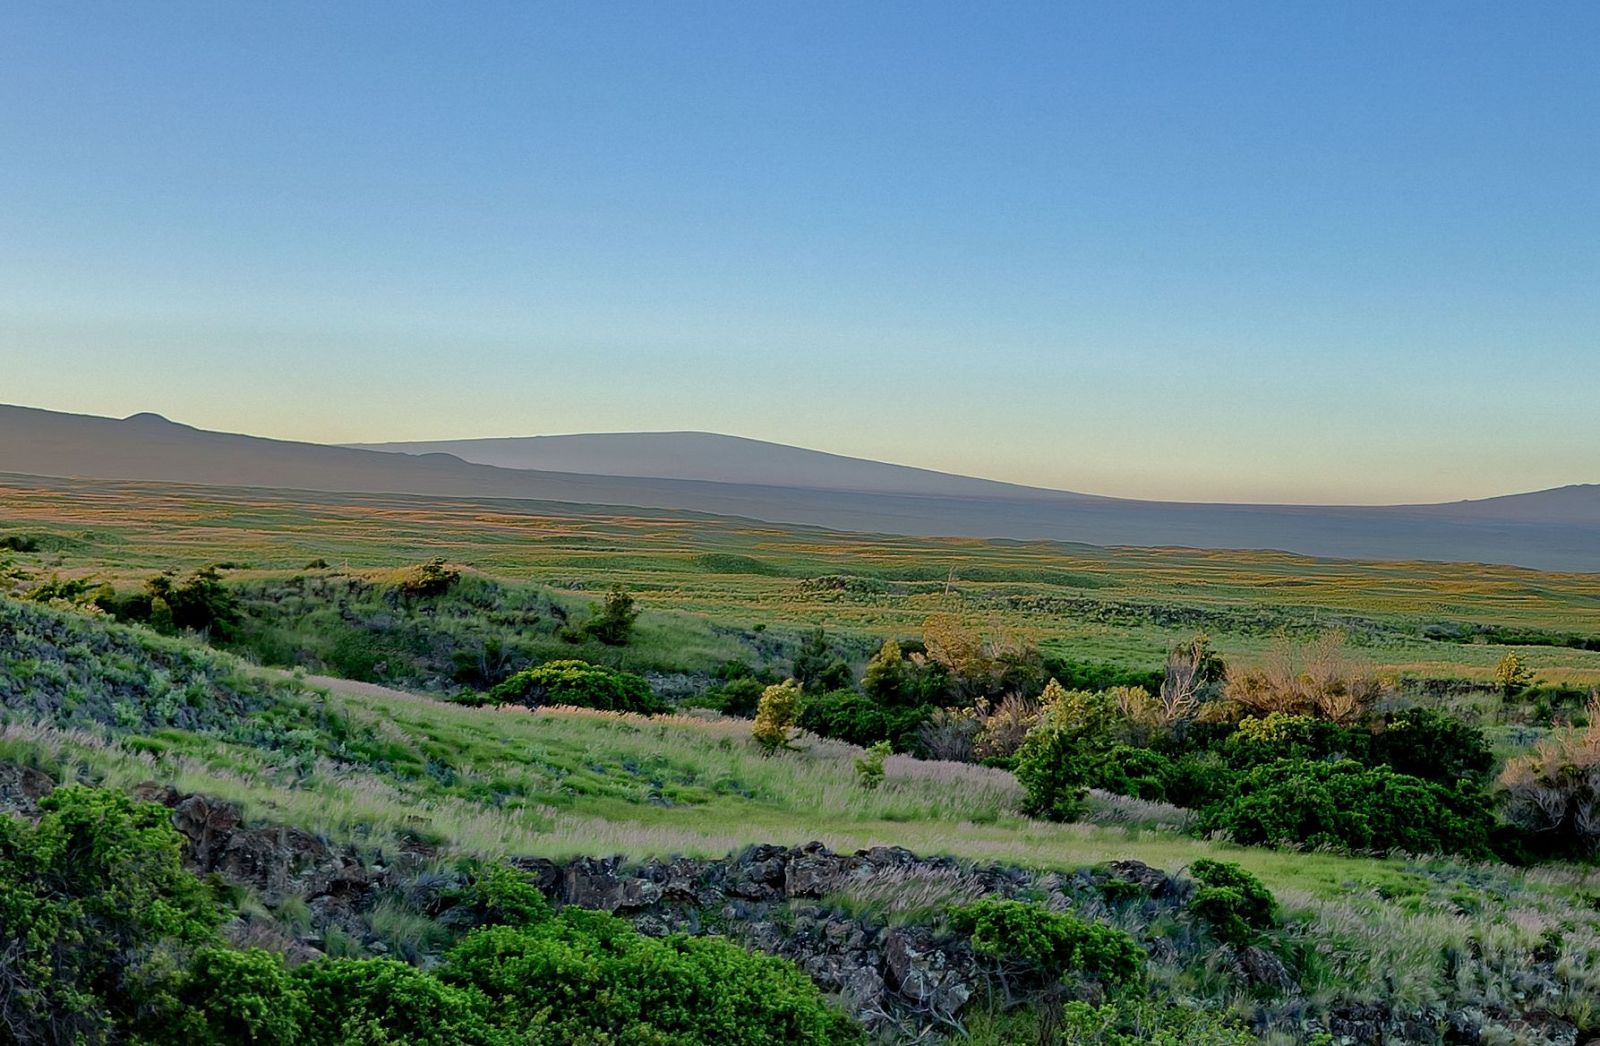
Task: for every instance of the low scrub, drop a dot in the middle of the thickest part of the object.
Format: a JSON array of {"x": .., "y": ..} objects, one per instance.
[
  {"x": 577, "y": 683},
  {"x": 1348, "y": 806}
]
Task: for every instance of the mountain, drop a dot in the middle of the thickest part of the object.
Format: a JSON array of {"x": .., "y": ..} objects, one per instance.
[
  {"x": 1549, "y": 530},
  {"x": 709, "y": 457}
]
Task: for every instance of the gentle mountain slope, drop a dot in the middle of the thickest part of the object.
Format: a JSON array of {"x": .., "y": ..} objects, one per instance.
[
  {"x": 145, "y": 447},
  {"x": 710, "y": 457}
]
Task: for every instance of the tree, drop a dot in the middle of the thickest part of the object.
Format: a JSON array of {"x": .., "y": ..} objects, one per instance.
[
  {"x": 1511, "y": 675},
  {"x": 613, "y": 622},
  {"x": 885, "y": 677},
  {"x": 776, "y": 714},
  {"x": 816, "y": 666},
  {"x": 578, "y": 683}
]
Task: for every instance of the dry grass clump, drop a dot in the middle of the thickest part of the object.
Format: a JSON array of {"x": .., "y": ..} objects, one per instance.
[
  {"x": 1555, "y": 789},
  {"x": 1322, "y": 680},
  {"x": 1002, "y": 725}
]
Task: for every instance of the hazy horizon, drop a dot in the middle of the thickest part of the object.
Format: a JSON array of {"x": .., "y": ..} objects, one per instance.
[{"x": 1242, "y": 254}]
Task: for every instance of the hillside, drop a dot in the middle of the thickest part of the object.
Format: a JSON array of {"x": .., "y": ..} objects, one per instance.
[
  {"x": 710, "y": 457},
  {"x": 146, "y": 447},
  {"x": 359, "y": 825}
]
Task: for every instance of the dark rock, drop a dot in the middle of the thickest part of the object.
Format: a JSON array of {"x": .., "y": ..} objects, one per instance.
[{"x": 21, "y": 788}]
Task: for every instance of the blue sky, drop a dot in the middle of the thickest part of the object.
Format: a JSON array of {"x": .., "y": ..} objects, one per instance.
[{"x": 1341, "y": 252}]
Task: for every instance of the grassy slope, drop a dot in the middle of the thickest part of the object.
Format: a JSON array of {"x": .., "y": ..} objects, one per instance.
[
  {"x": 495, "y": 782},
  {"x": 1118, "y": 604}
]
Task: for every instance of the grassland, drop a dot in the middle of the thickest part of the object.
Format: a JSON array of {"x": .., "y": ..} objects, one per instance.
[{"x": 1113, "y": 604}]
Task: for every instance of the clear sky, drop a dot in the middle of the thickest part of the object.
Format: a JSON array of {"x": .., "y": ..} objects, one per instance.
[{"x": 1274, "y": 251}]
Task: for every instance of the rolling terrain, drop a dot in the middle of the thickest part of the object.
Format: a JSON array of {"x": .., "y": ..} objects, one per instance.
[{"x": 1552, "y": 530}]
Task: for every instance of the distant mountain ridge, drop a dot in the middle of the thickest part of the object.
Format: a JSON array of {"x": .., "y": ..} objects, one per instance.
[
  {"x": 709, "y": 457},
  {"x": 1557, "y": 529}
]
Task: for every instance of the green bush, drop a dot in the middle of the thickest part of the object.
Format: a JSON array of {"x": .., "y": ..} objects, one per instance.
[
  {"x": 578, "y": 683},
  {"x": 433, "y": 578},
  {"x": 1236, "y": 904},
  {"x": 1051, "y": 945},
  {"x": 579, "y": 978},
  {"x": 855, "y": 718},
  {"x": 233, "y": 997},
  {"x": 94, "y": 905},
  {"x": 1432, "y": 746},
  {"x": 1351, "y": 807},
  {"x": 502, "y": 895},
  {"x": 613, "y": 622},
  {"x": 377, "y": 1002},
  {"x": 1282, "y": 735},
  {"x": 1126, "y": 770}
]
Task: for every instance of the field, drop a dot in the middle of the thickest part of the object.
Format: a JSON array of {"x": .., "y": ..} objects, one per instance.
[
  {"x": 391, "y": 774},
  {"x": 1117, "y": 605}
]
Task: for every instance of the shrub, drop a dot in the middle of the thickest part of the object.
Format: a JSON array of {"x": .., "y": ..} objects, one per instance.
[
  {"x": 1054, "y": 762},
  {"x": 199, "y": 602},
  {"x": 1320, "y": 680},
  {"x": 356, "y": 1002},
  {"x": 1511, "y": 675},
  {"x": 502, "y": 895},
  {"x": 1004, "y": 725},
  {"x": 1198, "y": 779},
  {"x": 856, "y": 718},
  {"x": 1352, "y": 807},
  {"x": 580, "y": 978},
  {"x": 93, "y": 902},
  {"x": 613, "y": 623},
  {"x": 776, "y": 714},
  {"x": 1553, "y": 793},
  {"x": 1284, "y": 735},
  {"x": 885, "y": 677},
  {"x": 232, "y": 997},
  {"x": 578, "y": 683},
  {"x": 433, "y": 578},
  {"x": 1236, "y": 904},
  {"x": 817, "y": 667},
  {"x": 1050, "y": 946},
  {"x": 869, "y": 768},
  {"x": 948, "y": 734},
  {"x": 1432, "y": 746},
  {"x": 1126, "y": 770}
]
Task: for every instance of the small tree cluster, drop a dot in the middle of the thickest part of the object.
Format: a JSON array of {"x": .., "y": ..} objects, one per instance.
[{"x": 577, "y": 683}]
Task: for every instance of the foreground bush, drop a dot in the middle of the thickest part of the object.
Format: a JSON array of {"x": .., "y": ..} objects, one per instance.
[
  {"x": 94, "y": 904},
  {"x": 578, "y": 683},
  {"x": 1236, "y": 904},
  {"x": 1351, "y": 807},
  {"x": 588, "y": 977},
  {"x": 1036, "y": 943}
]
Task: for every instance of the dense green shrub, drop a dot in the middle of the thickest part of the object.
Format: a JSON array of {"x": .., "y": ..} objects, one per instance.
[
  {"x": 1051, "y": 945},
  {"x": 94, "y": 904},
  {"x": 579, "y": 978},
  {"x": 357, "y": 1002},
  {"x": 1236, "y": 904},
  {"x": 578, "y": 683},
  {"x": 1432, "y": 746},
  {"x": 1060, "y": 755},
  {"x": 1283, "y": 735},
  {"x": 501, "y": 895},
  {"x": 1197, "y": 779},
  {"x": 1126, "y": 770},
  {"x": 230, "y": 997},
  {"x": 1352, "y": 807},
  {"x": 858, "y": 719}
]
